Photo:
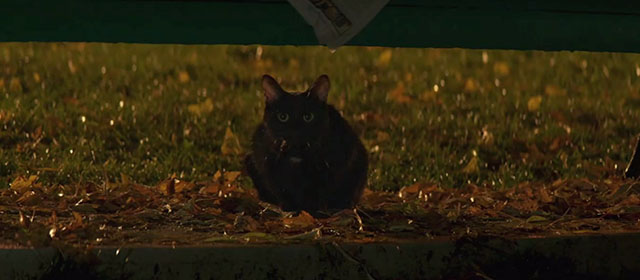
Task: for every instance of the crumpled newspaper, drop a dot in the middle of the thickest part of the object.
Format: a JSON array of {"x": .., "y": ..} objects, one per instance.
[{"x": 335, "y": 22}]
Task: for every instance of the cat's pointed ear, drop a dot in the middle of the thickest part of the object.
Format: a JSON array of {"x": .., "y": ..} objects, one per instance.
[
  {"x": 272, "y": 90},
  {"x": 320, "y": 88}
]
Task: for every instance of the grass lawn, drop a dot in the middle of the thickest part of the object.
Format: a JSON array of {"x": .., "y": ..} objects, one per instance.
[
  {"x": 90, "y": 113},
  {"x": 140, "y": 146}
]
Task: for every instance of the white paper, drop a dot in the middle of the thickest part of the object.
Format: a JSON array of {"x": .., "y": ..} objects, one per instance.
[{"x": 335, "y": 22}]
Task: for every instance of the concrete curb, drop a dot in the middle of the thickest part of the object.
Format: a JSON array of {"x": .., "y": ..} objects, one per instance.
[{"x": 614, "y": 256}]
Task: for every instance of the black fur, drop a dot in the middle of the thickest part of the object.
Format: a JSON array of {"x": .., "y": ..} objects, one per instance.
[{"x": 307, "y": 165}]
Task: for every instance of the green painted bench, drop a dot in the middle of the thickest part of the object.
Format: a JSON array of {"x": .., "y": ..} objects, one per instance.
[{"x": 504, "y": 24}]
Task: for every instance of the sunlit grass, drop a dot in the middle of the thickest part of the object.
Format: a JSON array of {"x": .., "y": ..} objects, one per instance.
[{"x": 77, "y": 113}]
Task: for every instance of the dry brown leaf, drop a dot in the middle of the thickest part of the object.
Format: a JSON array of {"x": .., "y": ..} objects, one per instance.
[
  {"x": 263, "y": 65},
  {"x": 231, "y": 176},
  {"x": 487, "y": 137},
  {"x": 397, "y": 94},
  {"x": 472, "y": 167},
  {"x": 471, "y": 85},
  {"x": 501, "y": 68},
  {"x": 217, "y": 177},
  {"x": 408, "y": 77},
  {"x": 544, "y": 195},
  {"x": 202, "y": 108},
  {"x": 382, "y": 136},
  {"x": 168, "y": 187},
  {"x": 302, "y": 220},
  {"x": 230, "y": 143},
  {"x": 555, "y": 145},
  {"x": 29, "y": 198},
  {"x": 15, "y": 85},
  {"x": 475, "y": 211},
  {"x": 72, "y": 67},
  {"x": 183, "y": 186},
  {"x": 384, "y": 58},
  {"x": 211, "y": 188},
  {"x": 553, "y": 90},
  {"x": 429, "y": 96},
  {"x": 143, "y": 191},
  {"x": 408, "y": 191},
  {"x": 183, "y": 77},
  {"x": 244, "y": 223},
  {"x": 21, "y": 183},
  {"x": 417, "y": 190},
  {"x": 534, "y": 103},
  {"x": 77, "y": 222}
]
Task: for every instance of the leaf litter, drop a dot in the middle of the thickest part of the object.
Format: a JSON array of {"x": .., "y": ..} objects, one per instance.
[{"x": 222, "y": 210}]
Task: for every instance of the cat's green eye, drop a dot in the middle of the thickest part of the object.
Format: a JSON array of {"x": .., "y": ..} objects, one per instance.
[
  {"x": 307, "y": 117},
  {"x": 283, "y": 117}
]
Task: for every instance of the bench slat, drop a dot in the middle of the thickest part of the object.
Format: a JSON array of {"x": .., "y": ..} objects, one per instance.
[{"x": 540, "y": 25}]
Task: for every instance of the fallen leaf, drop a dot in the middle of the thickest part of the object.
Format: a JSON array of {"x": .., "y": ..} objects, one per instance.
[
  {"x": 244, "y": 223},
  {"x": 397, "y": 94},
  {"x": 77, "y": 222},
  {"x": 72, "y": 68},
  {"x": 409, "y": 191},
  {"x": 29, "y": 198},
  {"x": 487, "y": 137},
  {"x": 408, "y": 77},
  {"x": 183, "y": 77},
  {"x": 544, "y": 195},
  {"x": 553, "y": 90},
  {"x": 534, "y": 103},
  {"x": 555, "y": 145},
  {"x": 472, "y": 166},
  {"x": 201, "y": 108},
  {"x": 217, "y": 177},
  {"x": 21, "y": 183},
  {"x": 15, "y": 85},
  {"x": 429, "y": 95},
  {"x": 181, "y": 186},
  {"x": 168, "y": 187},
  {"x": 263, "y": 65},
  {"x": 230, "y": 143},
  {"x": 382, "y": 136},
  {"x": 302, "y": 220},
  {"x": 471, "y": 85},
  {"x": 384, "y": 58},
  {"x": 501, "y": 68},
  {"x": 212, "y": 188},
  {"x": 231, "y": 176}
]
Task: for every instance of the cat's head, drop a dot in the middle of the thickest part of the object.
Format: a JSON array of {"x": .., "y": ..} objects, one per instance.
[{"x": 297, "y": 119}]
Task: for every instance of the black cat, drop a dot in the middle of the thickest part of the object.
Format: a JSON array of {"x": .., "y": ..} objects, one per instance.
[{"x": 305, "y": 156}]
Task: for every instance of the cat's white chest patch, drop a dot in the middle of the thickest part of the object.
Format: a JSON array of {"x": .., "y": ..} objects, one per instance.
[{"x": 295, "y": 159}]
